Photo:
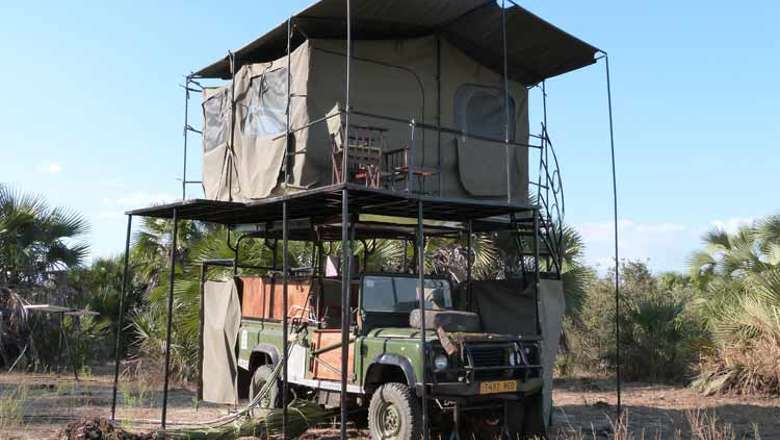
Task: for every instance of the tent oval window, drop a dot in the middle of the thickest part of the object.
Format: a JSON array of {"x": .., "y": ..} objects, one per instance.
[
  {"x": 479, "y": 111},
  {"x": 265, "y": 105}
]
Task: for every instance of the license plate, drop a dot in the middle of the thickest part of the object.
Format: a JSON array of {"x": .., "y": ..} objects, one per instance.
[{"x": 499, "y": 386}]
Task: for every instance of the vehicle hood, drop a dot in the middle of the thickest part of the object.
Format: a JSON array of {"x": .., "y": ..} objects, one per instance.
[
  {"x": 430, "y": 335},
  {"x": 401, "y": 333}
]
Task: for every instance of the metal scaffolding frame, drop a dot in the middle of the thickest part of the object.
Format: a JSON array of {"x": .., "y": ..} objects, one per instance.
[{"x": 348, "y": 218}]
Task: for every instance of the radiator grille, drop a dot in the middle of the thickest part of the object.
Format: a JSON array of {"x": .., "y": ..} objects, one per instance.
[{"x": 489, "y": 356}]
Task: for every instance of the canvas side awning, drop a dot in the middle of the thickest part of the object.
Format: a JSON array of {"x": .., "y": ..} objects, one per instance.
[{"x": 536, "y": 49}]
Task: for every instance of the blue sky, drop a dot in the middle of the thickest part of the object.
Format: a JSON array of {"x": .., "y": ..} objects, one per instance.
[{"x": 93, "y": 112}]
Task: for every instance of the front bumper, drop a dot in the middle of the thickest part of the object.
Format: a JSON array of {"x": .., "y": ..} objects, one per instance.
[{"x": 459, "y": 390}]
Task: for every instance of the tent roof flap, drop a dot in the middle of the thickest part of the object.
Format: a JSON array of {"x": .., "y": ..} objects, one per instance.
[{"x": 536, "y": 49}]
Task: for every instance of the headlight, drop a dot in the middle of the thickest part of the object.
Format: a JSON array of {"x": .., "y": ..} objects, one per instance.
[{"x": 440, "y": 362}]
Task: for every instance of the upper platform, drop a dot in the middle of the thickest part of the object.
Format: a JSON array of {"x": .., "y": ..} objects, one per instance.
[{"x": 324, "y": 206}]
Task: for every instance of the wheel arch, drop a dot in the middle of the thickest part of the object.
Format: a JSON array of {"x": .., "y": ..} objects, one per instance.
[
  {"x": 263, "y": 354},
  {"x": 389, "y": 366}
]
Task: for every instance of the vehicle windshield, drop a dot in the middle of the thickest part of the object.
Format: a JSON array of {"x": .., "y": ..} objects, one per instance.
[{"x": 399, "y": 294}]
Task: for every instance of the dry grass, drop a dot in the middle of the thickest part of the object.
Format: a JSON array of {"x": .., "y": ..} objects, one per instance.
[
  {"x": 34, "y": 407},
  {"x": 13, "y": 403},
  {"x": 702, "y": 425}
]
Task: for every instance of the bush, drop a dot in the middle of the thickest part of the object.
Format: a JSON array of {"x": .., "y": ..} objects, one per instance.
[
  {"x": 744, "y": 355},
  {"x": 660, "y": 333}
]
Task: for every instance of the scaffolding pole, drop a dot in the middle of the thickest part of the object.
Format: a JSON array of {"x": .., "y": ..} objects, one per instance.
[
  {"x": 184, "y": 131},
  {"x": 285, "y": 272},
  {"x": 171, "y": 282},
  {"x": 346, "y": 280},
  {"x": 421, "y": 290},
  {"x": 120, "y": 318},
  {"x": 615, "y": 220},
  {"x": 506, "y": 104}
]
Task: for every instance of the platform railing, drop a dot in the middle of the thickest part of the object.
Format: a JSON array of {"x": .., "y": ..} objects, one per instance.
[{"x": 551, "y": 201}]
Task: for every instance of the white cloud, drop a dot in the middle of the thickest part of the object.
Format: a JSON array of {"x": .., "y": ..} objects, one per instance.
[
  {"x": 115, "y": 206},
  {"x": 50, "y": 168},
  {"x": 138, "y": 200},
  {"x": 664, "y": 245},
  {"x": 731, "y": 225},
  {"x": 110, "y": 215}
]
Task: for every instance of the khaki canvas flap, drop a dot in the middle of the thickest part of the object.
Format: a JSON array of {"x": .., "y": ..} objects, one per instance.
[{"x": 221, "y": 320}]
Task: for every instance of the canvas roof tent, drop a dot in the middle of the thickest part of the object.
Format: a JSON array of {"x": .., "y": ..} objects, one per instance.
[
  {"x": 436, "y": 62},
  {"x": 536, "y": 51}
]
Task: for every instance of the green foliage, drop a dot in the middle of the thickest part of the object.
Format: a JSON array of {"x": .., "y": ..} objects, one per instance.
[
  {"x": 38, "y": 243},
  {"x": 740, "y": 304},
  {"x": 36, "y": 239},
  {"x": 659, "y": 336}
]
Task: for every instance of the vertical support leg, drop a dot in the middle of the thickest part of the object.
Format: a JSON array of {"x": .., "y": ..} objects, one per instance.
[
  {"x": 287, "y": 153},
  {"x": 507, "y": 132},
  {"x": 171, "y": 282},
  {"x": 121, "y": 315},
  {"x": 346, "y": 281},
  {"x": 440, "y": 174},
  {"x": 185, "y": 131},
  {"x": 537, "y": 275},
  {"x": 347, "y": 97},
  {"x": 274, "y": 255},
  {"x": 410, "y": 160},
  {"x": 68, "y": 347},
  {"x": 285, "y": 349},
  {"x": 469, "y": 262},
  {"x": 406, "y": 257},
  {"x": 235, "y": 257},
  {"x": 421, "y": 293},
  {"x": 455, "y": 434},
  {"x": 617, "y": 260},
  {"x": 203, "y": 269},
  {"x": 60, "y": 332},
  {"x": 505, "y": 433}
]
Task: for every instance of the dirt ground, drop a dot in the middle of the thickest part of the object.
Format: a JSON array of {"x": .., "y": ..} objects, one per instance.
[{"x": 38, "y": 406}]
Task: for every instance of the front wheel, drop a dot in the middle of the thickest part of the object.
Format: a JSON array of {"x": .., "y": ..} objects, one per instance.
[
  {"x": 260, "y": 378},
  {"x": 394, "y": 413}
]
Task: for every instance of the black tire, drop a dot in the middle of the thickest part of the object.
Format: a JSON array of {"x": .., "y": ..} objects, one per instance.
[
  {"x": 260, "y": 377},
  {"x": 394, "y": 413}
]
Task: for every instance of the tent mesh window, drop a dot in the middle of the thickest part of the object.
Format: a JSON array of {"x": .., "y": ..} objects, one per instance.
[
  {"x": 479, "y": 110},
  {"x": 266, "y": 104},
  {"x": 216, "y": 112}
]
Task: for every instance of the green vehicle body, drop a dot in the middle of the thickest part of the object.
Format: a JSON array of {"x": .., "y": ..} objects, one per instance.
[{"x": 383, "y": 354}]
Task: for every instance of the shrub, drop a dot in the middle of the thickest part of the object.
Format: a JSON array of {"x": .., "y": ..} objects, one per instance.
[{"x": 660, "y": 333}]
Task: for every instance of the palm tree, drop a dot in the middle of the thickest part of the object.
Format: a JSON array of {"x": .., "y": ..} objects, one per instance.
[
  {"x": 752, "y": 249},
  {"x": 739, "y": 278},
  {"x": 36, "y": 239},
  {"x": 36, "y": 248}
]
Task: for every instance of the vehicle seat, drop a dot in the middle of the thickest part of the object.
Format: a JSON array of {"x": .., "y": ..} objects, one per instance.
[{"x": 449, "y": 320}]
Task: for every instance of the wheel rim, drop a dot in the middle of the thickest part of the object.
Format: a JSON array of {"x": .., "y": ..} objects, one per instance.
[{"x": 389, "y": 420}]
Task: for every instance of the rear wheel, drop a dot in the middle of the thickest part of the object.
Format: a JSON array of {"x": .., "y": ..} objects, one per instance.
[
  {"x": 394, "y": 413},
  {"x": 260, "y": 378}
]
